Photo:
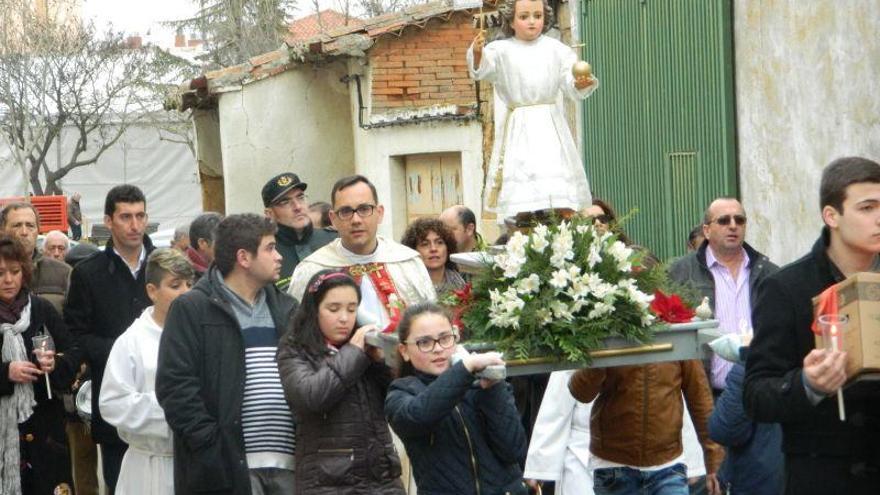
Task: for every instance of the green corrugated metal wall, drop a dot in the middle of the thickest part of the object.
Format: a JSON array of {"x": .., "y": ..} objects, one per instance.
[{"x": 659, "y": 134}]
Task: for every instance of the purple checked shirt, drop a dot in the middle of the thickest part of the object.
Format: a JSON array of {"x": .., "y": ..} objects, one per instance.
[{"x": 733, "y": 308}]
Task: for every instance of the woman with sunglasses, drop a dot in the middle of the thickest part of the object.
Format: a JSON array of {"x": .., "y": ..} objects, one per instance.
[
  {"x": 605, "y": 219},
  {"x": 336, "y": 386},
  {"x": 462, "y": 437}
]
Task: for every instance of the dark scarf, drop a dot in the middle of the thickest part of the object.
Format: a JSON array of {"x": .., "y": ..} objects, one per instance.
[{"x": 11, "y": 312}]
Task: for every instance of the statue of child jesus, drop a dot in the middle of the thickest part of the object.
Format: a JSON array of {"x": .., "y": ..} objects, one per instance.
[{"x": 535, "y": 164}]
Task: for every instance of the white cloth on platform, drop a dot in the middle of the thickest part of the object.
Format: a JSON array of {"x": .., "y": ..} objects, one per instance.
[
  {"x": 128, "y": 402},
  {"x": 541, "y": 165}
]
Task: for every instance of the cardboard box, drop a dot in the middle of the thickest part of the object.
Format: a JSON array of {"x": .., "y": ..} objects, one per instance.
[{"x": 858, "y": 297}]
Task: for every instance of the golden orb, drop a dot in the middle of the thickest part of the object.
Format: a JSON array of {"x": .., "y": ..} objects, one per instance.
[{"x": 581, "y": 69}]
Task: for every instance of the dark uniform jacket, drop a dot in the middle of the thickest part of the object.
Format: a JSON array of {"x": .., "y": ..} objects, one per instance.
[{"x": 294, "y": 248}]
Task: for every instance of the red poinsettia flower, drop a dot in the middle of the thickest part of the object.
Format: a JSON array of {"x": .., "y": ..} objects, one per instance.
[
  {"x": 464, "y": 298},
  {"x": 464, "y": 294},
  {"x": 671, "y": 309}
]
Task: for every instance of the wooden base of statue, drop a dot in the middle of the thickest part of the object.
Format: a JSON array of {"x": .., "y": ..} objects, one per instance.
[
  {"x": 678, "y": 342},
  {"x": 526, "y": 220}
]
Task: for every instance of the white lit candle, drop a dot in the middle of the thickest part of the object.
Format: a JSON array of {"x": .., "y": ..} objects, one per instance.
[{"x": 836, "y": 347}]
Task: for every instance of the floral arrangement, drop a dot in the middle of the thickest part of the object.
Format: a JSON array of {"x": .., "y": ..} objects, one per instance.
[
  {"x": 562, "y": 289},
  {"x": 458, "y": 301},
  {"x": 670, "y": 308}
]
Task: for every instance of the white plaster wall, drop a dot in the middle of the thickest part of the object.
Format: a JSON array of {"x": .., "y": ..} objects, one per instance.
[
  {"x": 379, "y": 155},
  {"x": 299, "y": 121},
  {"x": 808, "y": 91}
]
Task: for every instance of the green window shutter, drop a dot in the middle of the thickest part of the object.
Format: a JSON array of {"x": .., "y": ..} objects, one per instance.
[{"x": 659, "y": 134}]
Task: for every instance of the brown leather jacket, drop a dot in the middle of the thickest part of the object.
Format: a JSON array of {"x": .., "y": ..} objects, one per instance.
[{"x": 637, "y": 416}]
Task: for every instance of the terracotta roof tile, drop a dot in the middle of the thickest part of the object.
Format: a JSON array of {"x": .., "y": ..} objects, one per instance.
[
  {"x": 325, "y": 21},
  {"x": 333, "y": 42},
  {"x": 336, "y": 39}
]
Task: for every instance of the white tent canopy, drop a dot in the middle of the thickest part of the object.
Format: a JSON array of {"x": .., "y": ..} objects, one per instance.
[{"x": 164, "y": 170}]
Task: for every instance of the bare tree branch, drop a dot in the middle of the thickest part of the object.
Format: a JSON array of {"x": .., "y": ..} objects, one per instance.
[{"x": 62, "y": 79}]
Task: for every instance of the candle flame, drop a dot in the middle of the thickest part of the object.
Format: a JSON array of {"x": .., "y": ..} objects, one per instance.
[{"x": 834, "y": 330}]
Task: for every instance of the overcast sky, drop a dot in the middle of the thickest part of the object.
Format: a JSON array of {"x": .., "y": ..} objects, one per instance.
[
  {"x": 141, "y": 16},
  {"x": 136, "y": 16}
]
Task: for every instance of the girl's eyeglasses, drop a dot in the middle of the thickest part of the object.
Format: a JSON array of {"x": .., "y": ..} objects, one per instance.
[{"x": 427, "y": 344}]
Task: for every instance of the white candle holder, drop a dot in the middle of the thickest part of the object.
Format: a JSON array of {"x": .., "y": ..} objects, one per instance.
[
  {"x": 832, "y": 327},
  {"x": 42, "y": 344}
]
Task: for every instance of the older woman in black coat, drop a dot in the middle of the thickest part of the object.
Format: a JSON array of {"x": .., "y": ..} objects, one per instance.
[{"x": 33, "y": 447}]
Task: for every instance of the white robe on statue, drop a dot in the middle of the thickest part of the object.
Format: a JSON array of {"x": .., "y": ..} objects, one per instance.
[
  {"x": 128, "y": 402},
  {"x": 540, "y": 164}
]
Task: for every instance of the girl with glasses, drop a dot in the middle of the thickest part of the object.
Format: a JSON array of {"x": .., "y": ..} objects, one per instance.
[
  {"x": 336, "y": 386},
  {"x": 462, "y": 437}
]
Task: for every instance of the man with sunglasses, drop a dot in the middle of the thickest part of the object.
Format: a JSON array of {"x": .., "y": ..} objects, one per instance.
[
  {"x": 726, "y": 269},
  {"x": 286, "y": 202}
]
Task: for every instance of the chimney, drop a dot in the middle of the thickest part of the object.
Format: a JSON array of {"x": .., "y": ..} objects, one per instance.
[
  {"x": 135, "y": 42},
  {"x": 179, "y": 40}
]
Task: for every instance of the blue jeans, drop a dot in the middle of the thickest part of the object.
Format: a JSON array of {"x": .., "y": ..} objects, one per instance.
[{"x": 629, "y": 481}]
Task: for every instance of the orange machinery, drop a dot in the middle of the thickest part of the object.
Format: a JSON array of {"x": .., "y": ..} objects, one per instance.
[{"x": 52, "y": 209}]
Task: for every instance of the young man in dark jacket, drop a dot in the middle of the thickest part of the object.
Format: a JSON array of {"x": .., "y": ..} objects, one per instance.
[
  {"x": 217, "y": 377},
  {"x": 107, "y": 293},
  {"x": 790, "y": 382}
]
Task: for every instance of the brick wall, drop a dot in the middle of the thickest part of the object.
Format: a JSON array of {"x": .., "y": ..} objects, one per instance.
[{"x": 423, "y": 67}]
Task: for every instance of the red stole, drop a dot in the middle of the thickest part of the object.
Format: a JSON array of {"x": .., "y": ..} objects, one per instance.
[{"x": 385, "y": 288}]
